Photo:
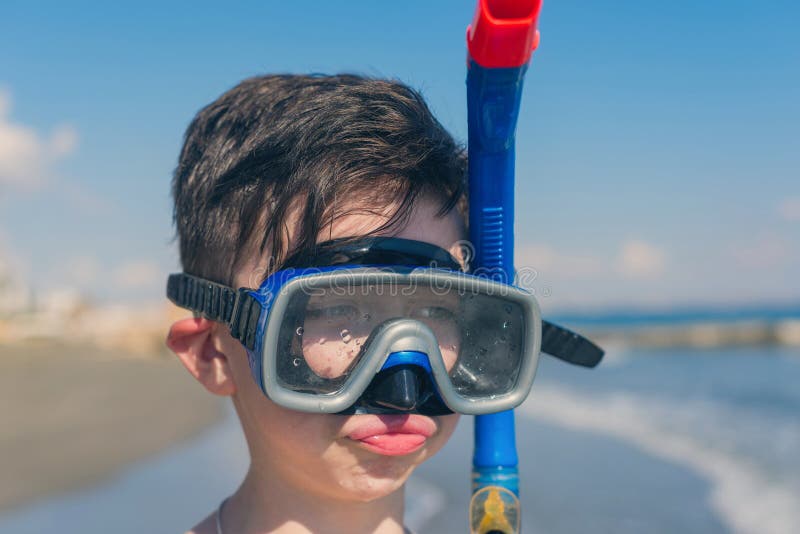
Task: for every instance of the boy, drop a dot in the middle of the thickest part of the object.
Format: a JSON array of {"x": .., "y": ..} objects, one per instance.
[
  {"x": 271, "y": 168},
  {"x": 319, "y": 220}
]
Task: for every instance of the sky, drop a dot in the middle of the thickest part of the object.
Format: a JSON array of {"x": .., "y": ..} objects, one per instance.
[{"x": 657, "y": 144}]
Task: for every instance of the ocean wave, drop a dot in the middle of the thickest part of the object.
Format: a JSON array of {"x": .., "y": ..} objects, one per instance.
[{"x": 745, "y": 497}]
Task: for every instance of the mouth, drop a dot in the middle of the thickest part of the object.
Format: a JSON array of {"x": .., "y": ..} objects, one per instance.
[{"x": 392, "y": 435}]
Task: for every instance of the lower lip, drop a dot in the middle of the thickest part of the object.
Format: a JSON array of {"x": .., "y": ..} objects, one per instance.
[{"x": 394, "y": 443}]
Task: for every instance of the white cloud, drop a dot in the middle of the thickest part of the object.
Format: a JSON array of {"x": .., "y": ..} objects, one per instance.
[
  {"x": 26, "y": 157},
  {"x": 550, "y": 262},
  {"x": 621, "y": 272},
  {"x": 63, "y": 141},
  {"x": 137, "y": 274},
  {"x": 562, "y": 277},
  {"x": 639, "y": 259},
  {"x": 789, "y": 209},
  {"x": 5, "y": 102},
  {"x": 636, "y": 258}
]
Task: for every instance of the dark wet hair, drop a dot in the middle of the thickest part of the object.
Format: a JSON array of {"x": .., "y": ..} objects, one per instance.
[{"x": 272, "y": 140}]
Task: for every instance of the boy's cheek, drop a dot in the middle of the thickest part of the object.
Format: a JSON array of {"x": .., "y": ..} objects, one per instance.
[
  {"x": 236, "y": 356},
  {"x": 447, "y": 425}
]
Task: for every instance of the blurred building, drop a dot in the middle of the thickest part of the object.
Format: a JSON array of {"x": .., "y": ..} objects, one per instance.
[{"x": 15, "y": 296}]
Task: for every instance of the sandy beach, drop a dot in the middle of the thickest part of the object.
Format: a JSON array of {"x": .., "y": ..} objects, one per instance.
[{"x": 74, "y": 415}]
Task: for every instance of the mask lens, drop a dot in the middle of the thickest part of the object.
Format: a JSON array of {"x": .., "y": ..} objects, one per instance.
[
  {"x": 326, "y": 328},
  {"x": 490, "y": 358}
]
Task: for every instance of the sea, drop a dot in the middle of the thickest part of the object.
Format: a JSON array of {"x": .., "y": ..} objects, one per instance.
[{"x": 652, "y": 441}]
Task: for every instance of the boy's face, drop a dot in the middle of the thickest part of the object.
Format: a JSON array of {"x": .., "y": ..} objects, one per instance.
[{"x": 333, "y": 455}]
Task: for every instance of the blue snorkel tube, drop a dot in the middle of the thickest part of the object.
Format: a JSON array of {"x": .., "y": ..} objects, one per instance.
[{"x": 500, "y": 42}]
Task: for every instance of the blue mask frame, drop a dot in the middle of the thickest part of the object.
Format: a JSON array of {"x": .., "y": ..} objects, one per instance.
[{"x": 405, "y": 383}]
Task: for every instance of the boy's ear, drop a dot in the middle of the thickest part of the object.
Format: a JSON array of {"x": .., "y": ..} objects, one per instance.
[{"x": 190, "y": 339}]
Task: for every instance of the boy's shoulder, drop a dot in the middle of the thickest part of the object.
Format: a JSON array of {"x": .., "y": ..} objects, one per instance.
[{"x": 206, "y": 526}]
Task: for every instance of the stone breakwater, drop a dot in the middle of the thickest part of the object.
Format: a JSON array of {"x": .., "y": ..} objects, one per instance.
[{"x": 701, "y": 334}]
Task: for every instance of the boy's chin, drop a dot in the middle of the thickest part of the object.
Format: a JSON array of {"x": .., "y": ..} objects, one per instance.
[
  {"x": 368, "y": 488},
  {"x": 374, "y": 476}
]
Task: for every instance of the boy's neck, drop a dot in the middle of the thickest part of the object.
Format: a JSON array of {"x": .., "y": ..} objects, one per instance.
[{"x": 265, "y": 504}]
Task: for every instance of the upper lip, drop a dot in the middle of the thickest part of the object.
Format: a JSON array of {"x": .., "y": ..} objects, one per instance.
[{"x": 375, "y": 425}]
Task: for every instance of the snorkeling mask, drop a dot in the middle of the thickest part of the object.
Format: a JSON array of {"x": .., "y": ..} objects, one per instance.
[{"x": 385, "y": 325}]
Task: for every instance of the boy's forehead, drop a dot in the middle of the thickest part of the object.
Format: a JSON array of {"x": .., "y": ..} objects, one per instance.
[
  {"x": 422, "y": 225},
  {"x": 447, "y": 232}
]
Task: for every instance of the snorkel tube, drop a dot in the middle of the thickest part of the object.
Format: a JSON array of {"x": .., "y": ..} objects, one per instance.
[{"x": 500, "y": 42}]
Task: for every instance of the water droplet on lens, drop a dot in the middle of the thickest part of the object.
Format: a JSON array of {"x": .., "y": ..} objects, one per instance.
[
  {"x": 296, "y": 362},
  {"x": 346, "y": 337},
  {"x": 299, "y": 330}
]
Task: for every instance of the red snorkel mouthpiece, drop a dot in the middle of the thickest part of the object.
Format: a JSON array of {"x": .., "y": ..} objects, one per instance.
[{"x": 503, "y": 33}]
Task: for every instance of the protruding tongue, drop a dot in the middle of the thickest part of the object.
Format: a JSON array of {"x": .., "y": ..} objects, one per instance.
[{"x": 395, "y": 442}]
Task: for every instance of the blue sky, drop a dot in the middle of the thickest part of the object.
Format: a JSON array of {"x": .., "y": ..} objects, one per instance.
[{"x": 658, "y": 160}]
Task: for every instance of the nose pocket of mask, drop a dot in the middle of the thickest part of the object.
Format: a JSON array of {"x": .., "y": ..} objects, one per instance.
[
  {"x": 404, "y": 384},
  {"x": 397, "y": 388}
]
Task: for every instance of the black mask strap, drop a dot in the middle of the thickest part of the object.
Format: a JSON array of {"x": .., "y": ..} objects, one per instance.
[
  {"x": 217, "y": 302},
  {"x": 240, "y": 310}
]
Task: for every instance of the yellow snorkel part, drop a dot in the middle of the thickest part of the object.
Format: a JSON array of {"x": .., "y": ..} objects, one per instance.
[{"x": 494, "y": 510}]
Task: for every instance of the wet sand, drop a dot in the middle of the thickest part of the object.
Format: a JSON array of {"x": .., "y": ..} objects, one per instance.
[{"x": 72, "y": 416}]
